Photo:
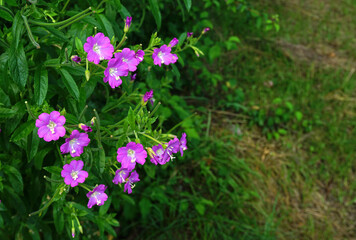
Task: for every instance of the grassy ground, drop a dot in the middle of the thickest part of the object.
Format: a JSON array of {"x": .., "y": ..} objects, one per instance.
[
  {"x": 305, "y": 181},
  {"x": 240, "y": 184}
]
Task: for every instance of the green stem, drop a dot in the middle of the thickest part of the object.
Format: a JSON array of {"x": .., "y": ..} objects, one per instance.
[
  {"x": 49, "y": 202},
  {"x": 155, "y": 109},
  {"x": 153, "y": 139},
  {"x": 75, "y": 20},
  {"x": 85, "y": 187},
  {"x": 29, "y": 111},
  {"x": 52, "y": 180},
  {"x": 82, "y": 113},
  {"x": 123, "y": 39},
  {"x": 59, "y": 23}
]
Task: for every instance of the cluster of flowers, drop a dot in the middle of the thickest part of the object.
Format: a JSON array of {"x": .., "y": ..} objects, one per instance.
[
  {"x": 51, "y": 127},
  {"x": 99, "y": 48},
  {"x": 134, "y": 152}
]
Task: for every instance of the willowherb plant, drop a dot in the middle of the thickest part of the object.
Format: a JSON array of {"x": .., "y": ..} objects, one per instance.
[{"x": 91, "y": 152}]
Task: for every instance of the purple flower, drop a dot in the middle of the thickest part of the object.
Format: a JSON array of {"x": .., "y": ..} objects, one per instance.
[
  {"x": 173, "y": 42},
  {"x": 116, "y": 68},
  {"x": 133, "y": 77},
  {"x": 148, "y": 96},
  {"x": 189, "y": 34},
  {"x": 157, "y": 157},
  {"x": 183, "y": 143},
  {"x": 206, "y": 29},
  {"x": 172, "y": 147},
  {"x": 128, "y": 21},
  {"x": 73, "y": 173},
  {"x": 97, "y": 196},
  {"x": 163, "y": 55},
  {"x": 130, "y": 182},
  {"x": 128, "y": 56},
  {"x": 75, "y": 143},
  {"x": 85, "y": 127},
  {"x": 121, "y": 175},
  {"x": 50, "y": 126},
  {"x": 98, "y": 48},
  {"x": 139, "y": 55},
  {"x": 129, "y": 155},
  {"x": 76, "y": 59}
]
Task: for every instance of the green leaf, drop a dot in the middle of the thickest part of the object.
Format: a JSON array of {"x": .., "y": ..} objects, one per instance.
[
  {"x": 70, "y": 84},
  {"x": 150, "y": 170},
  {"x": 105, "y": 25},
  {"x": 103, "y": 209},
  {"x": 132, "y": 118},
  {"x": 23, "y": 131},
  {"x": 56, "y": 33},
  {"x": 14, "y": 177},
  {"x": 188, "y": 4},
  {"x": 7, "y": 113},
  {"x": 145, "y": 207},
  {"x": 53, "y": 169},
  {"x": 200, "y": 208},
  {"x": 40, "y": 85},
  {"x": 214, "y": 52},
  {"x": 34, "y": 144},
  {"x": 58, "y": 218},
  {"x": 18, "y": 65},
  {"x": 6, "y": 15},
  {"x": 17, "y": 29},
  {"x": 298, "y": 116},
  {"x": 101, "y": 159},
  {"x": 156, "y": 12},
  {"x": 40, "y": 156},
  {"x": 79, "y": 45}
]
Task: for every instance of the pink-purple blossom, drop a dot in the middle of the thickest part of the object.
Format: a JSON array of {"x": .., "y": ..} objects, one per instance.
[
  {"x": 129, "y": 155},
  {"x": 172, "y": 147},
  {"x": 97, "y": 196},
  {"x": 50, "y": 126},
  {"x": 189, "y": 34},
  {"x": 163, "y": 55},
  {"x": 148, "y": 96},
  {"x": 75, "y": 143},
  {"x": 129, "y": 185},
  {"x": 76, "y": 59},
  {"x": 139, "y": 55},
  {"x": 121, "y": 175},
  {"x": 206, "y": 30},
  {"x": 157, "y": 157},
  {"x": 98, "y": 48},
  {"x": 183, "y": 143},
  {"x": 116, "y": 69},
  {"x": 73, "y": 173},
  {"x": 173, "y": 42},
  {"x": 128, "y": 56},
  {"x": 128, "y": 21},
  {"x": 84, "y": 127}
]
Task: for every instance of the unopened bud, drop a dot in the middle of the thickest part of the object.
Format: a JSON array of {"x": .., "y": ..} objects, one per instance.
[{"x": 87, "y": 74}]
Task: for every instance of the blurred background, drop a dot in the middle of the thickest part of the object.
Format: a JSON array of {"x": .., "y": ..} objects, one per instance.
[{"x": 272, "y": 136}]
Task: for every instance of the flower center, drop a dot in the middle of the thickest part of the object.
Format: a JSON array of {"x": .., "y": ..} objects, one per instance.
[
  {"x": 112, "y": 72},
  {"x": 95, "y": 194},
  {"x": 74, "y": 175},
  {"x": 124, "y": 59},
  {"x": 160, "y": 55},
  {"x": 159, "y": 152},
  {"x": 51, "y": 125},
  {"x": 72, "y": 143},
  {"x": 131, "y": 153},
  {"x": 96, "y": 48}
]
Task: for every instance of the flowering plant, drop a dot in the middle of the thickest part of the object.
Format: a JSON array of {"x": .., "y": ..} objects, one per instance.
[{"x": 88, "y": 126}]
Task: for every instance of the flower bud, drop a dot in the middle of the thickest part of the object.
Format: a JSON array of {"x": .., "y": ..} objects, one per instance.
[
  {"x": 205, "y": 30},
  {"x": 87, "y": 74},
  {"x": 127, "y": 24},
  {"x": 76, "y": 59},
  {"x": 173, "y": 42},
  {"x": 189, "y": 34}
]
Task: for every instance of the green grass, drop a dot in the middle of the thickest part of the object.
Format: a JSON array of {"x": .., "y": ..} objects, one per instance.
[{"x": 301, "y": 186}]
